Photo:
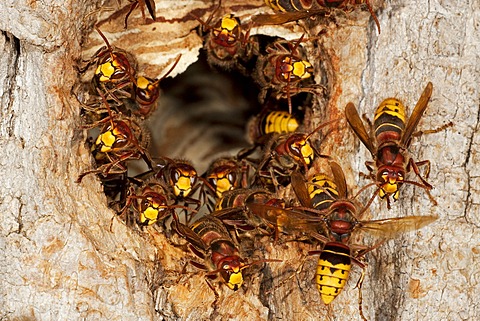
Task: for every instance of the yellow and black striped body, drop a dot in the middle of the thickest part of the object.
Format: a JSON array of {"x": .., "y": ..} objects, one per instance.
[
  {"x": 333, "y": 269},
  {"x": 389, "y": 126},
  {"x": 297, "y": 149},
  {"x": 322, "y": 190},
  {"x": 227, "y": 32},
  {"x": 272, "y": 122},
  {"x": 389, "y": 121},
  {"x": 280, "y": 122}
]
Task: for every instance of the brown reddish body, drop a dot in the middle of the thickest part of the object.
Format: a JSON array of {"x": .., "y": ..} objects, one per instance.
[
  {"x": 334, "y": 227},
  {"x": 221, "y": 255},
  {"x": 210, "y": 240},
  {"x": 389, "y": 143}
]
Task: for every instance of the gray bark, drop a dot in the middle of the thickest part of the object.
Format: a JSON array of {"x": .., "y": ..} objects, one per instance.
[{"x": 62, "y": 262}]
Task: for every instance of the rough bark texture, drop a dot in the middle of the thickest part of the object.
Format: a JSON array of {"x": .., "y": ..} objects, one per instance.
[{"x": 62, "y": 262}]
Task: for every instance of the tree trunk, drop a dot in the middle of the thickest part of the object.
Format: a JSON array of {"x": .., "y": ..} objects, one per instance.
[{"x": 62, "y": 261}]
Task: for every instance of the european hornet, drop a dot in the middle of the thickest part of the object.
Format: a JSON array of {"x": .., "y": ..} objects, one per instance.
[
  {"x": 262, "y": 126},
  {"x": 210, "y": 241},
  {"x": 115, "y": 77},
  {"x": 284, "y": 70},
  {"x": 180, "y": 175},
  {"x": 226, "y": 174},
  {"x": 233, "y": 209},
  {"x": 293, "y": 10},
  {"x": 284, "y": 154},
  {"x": 150, "y": 203},
  {"x": 146, "y": 92},
  {"x": 150, "y": 4},
  {"x": 227, "y": 45},
  {"x": 389, "y": 142},
  {"x": 120, "y": 139},
  {"x": 334, "y": 224},
  {"x": 114, "y": 72},
  {"x": 179, "y": 179}
]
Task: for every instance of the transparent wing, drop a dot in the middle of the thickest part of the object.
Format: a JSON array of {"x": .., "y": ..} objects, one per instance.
[
  {"x": 283, "y": 17},
  {"x": 288, "y": 219},
  {"x": 417, "y": 114},
  {"x": 300, "y": 188},
  {"x": 358, "y": 127},
  {"x": 339, "y": 178},
  {"x": 190, "y": 235},
  {"x": 390, "y": 227}
]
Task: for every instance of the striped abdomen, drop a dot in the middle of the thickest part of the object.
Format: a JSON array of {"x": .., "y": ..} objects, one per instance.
[
  {"x": 322, "y": 191},
  {"x": 389, "y": 122},
  {"x": 332, "y": 271},
  {"x": 280, "y": 122}
]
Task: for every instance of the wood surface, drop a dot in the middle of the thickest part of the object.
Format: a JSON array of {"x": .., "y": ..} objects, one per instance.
[{"x": 61, "y": 261}]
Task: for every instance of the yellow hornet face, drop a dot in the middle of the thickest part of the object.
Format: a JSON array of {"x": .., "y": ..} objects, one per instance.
[
  {"x": 304, "y": 150},
  {"x": 291, "y": 70},
  {"x": 302, "y": 69},
  {"x": 231, "y": 272},
  {"x": 333, "y": 269},
  {"x": 183, "y": 186},
  {"x": 227, "y": 33},
  {"x": 105, "y": 71},
  {"x": 232, "y": 276},
  {"x": 229, "y": 23},
  {"x": 115, "y": 68},
  {"x": 392, "y": 180},
  {"x": 280, "y": 122},
  {"x": 307, "y": 153},
  {"x": 300, "y": 148},
  {"x": 183, "y": 179},
  {"x": 392, "y": 107},
  {"x": 152, "y": 208},
  {"x": 224, "y": 184},
  {"x": 236, "y": 281},
  {"x": 106, "y": 141},
  {"x": 114, "y": 138}
]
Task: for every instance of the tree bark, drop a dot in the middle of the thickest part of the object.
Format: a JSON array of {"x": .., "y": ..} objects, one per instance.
[{"x": 63, "y": 262}]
